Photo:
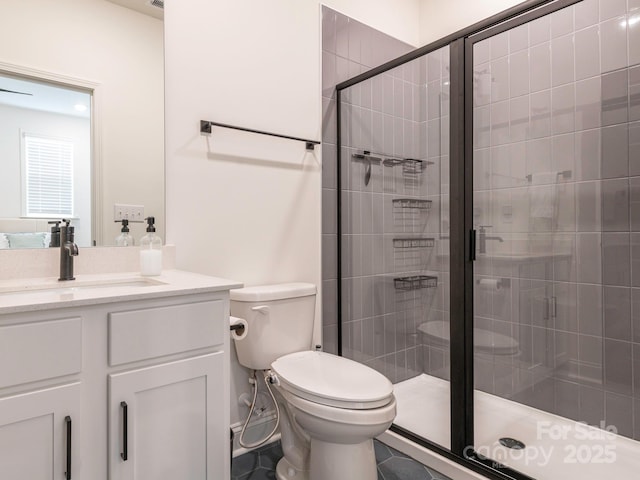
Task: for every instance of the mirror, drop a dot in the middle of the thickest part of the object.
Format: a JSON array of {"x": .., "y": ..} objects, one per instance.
[{"x": 112, "y": 52}]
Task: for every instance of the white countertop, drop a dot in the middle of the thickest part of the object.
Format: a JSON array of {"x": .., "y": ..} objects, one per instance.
[{"x": 33, "y": 294}]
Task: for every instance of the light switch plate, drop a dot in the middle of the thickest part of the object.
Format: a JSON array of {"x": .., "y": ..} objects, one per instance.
[{"x": 133, "y": 213}]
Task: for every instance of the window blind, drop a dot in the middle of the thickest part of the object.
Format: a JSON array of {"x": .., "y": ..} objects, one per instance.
[{"x": 49, "y": 176}]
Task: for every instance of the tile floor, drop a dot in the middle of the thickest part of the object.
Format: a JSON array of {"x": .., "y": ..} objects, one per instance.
[{"x": 260, "y": 464}]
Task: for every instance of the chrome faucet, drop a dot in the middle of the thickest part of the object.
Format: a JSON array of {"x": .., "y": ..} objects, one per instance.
[
  {"x": 482, "y": 238},
  {"x": 68, "y": 250}
]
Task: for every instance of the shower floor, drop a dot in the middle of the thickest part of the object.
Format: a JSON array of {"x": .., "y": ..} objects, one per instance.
[{"x": 556, "y": 447}]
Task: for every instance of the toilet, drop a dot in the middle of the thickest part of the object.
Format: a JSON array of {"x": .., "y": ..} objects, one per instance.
[
  {"x": 436, "y": 333},
  {"x": 331, "y": 407}
]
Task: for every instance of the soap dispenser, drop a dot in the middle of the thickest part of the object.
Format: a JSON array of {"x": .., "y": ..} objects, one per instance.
[
  {"x": 125, "y": 239},
  {"x": 150, "y": 250}
]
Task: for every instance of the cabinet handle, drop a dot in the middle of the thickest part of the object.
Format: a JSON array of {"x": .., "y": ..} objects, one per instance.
[
  {"x": 67, "y": 474},
  {"x": 125, "y": 454}
]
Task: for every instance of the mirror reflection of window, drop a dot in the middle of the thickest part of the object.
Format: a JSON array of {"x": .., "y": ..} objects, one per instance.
[{"x": 48, "y": 177}]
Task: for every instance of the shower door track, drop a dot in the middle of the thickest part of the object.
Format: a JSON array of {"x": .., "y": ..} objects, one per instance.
[{"x": 461, "y": 225}]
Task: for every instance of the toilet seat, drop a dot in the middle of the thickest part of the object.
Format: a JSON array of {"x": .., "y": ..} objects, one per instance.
[
  {"x": 353, "y": 418},
  {"x": 333, "y": 381}
]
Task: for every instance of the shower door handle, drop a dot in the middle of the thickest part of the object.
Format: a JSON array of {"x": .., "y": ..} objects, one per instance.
[{"x": 472, "y": 245}]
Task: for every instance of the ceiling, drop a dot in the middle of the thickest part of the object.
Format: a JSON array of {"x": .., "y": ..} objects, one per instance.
[
  {"x": 142, "y": 6},
  {"x": 44, "y": 96}
]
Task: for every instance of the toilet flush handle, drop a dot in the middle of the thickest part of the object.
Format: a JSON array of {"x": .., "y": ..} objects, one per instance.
[{"x": 263, "y": 309}]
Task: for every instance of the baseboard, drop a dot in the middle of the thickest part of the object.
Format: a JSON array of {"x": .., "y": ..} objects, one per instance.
[{"x": 255, "y": 430}]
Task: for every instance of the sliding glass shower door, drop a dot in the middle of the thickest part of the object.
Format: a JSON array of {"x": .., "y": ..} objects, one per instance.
[
  {"x": 394, "y": 207},
  {"x": 555, "y": 165}
]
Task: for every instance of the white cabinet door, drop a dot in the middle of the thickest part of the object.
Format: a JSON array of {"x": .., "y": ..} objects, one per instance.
[
  {"x": 175, "y": 421},
  {"x": 36, "y": 431}
]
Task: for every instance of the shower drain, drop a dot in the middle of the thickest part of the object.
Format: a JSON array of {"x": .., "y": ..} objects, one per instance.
[{"x": 511, "y": 443}]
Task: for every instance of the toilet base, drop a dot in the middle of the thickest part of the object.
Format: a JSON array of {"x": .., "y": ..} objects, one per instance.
[
  {"x": 285, "y": 471},
  {"x": 336, "y": 461}
]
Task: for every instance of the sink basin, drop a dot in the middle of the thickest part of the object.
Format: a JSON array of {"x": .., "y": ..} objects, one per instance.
[{"x": 74, "y": 286}]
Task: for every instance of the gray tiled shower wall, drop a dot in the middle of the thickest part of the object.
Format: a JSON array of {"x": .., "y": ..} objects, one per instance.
[
  {"x": 559, "y": 99},
  {"x": 388, "y": 234},
  {"x": 402, "y": 114},
  {"x": 349, "y": 48}
]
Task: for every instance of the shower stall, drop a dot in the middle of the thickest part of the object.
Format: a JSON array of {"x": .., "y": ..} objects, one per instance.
[{"x": 488, "y": 239}]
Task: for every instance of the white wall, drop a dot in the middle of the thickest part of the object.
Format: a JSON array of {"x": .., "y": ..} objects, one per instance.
[
  {"x": 440, "y": 18},
  {"x": 398, "y": 18},
  {"x": 121, "y": 50},
  {"x": 15, "y": 120},
  {"x": 240, "y": 205}
]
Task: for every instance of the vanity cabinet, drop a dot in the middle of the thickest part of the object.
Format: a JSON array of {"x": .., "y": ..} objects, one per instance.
[
  {"x": 133, "y": 387},
  {"x": 162, "y": 419},
  {"x": 165, "y": 419},
  {"x": 38, "y": 425},
  {"x": 38, "y": 434}
]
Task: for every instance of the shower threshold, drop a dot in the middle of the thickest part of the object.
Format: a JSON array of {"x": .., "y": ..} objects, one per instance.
[{"x": 556, "y": 447}]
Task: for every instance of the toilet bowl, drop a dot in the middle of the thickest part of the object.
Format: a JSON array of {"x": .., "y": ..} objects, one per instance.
[
  {"x": 340, "y": 405},
  {"x": 331, "y": 407}
]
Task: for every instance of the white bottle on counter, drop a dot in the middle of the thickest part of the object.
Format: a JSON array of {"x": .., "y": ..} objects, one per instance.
[{"x": 150, "y": 251}]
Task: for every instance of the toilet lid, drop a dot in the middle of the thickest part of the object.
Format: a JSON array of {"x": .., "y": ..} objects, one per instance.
[{"x": 331, "y": 380}]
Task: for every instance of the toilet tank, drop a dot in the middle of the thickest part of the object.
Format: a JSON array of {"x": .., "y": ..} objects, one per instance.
[{"x": 279, "y": 321}]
